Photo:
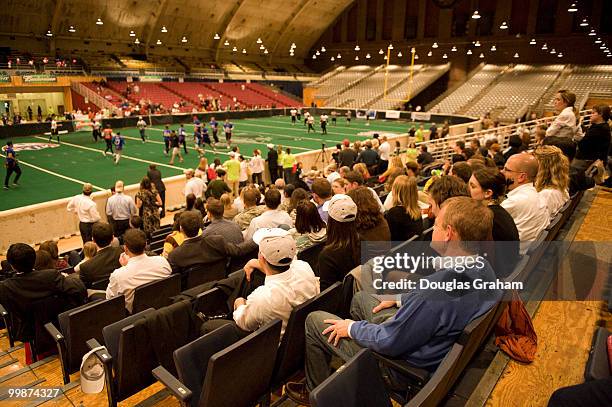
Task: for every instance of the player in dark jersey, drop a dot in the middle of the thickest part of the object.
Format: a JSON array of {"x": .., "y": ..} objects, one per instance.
[
  {"x": 197, "y": 139},
  {"x": 176, "y": 149},
  {"x": 206, "y": 139},
  {"x": 214, "y": 127},
  {"x": 108, "y": 139},
  {"x": 167, "y": 133},
  {"x": 228, "y": 127},
  {"x": 11, "y": 164},
  {"x": 182, "y": 138}
]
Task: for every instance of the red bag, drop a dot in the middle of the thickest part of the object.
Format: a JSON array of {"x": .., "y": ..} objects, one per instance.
[
  {"x": 211, "y": 174},
  {"x": 515, "y": 333}
]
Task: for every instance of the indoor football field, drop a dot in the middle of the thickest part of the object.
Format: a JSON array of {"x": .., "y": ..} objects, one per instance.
[{"x": 53, "y": 172}]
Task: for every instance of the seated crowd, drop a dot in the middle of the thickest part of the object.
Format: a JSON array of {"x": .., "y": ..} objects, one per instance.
[{"x": 482, "y": 194}]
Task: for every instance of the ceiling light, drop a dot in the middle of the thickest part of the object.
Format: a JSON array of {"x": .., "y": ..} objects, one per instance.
[
  {"x": 560, "y": 55},
  {"x": 226, "y": 43},
  {"x": 454, "y": 49},
  {"x": 469, "y": 52},
  {"x": 435, "y": 45},
  {"x": 544, "y": 47},
  {"x": 234, "y": 49},
  {"x": 184, "y": 39},
  {"x": 429, "y": 53},
  {"x": 338, "y": 56},
  {"x": 602, "y": 46},
  {"x": 293, "y": 45},
  {"x": 592, "y": 33},
  {"x": 72, "y": 29},
  {"x": 132, "y": 33},
  {"x": 553, "y": 51},
  {"x": 217, "y": 37},
  {"x": 99, "y": 21},
  {"x": 259, "y": 41},
  {"x": 598, "y": 40},
  {"x": 572, "y": 8},
  {"x": 357, "y": 48},
  {"x": 476, "y": 16},
  {"x": 317, "y": 53},
  {"x": 368, "y": 56},
  {"x": 532, "y": 42},
  {"x": 49, "y": 33},
  {"x": 416, "y": 56},
  {"x": 243, "y": 50},
  {"x": 477, "y": 44},
  {"x": 136, "y": 41},
  {"x": 399, "y": 54},
  {"x": 584, "y": 23},
  {"x": 503, "y": 26},
  {"x": 356, "y": 57},
  {"x": 262, "y": 47},
  {"x": 164, "y": 29},
  {"x": 516, "y": 55},
  {"x": 493, "y": 48},
  {"x": 444, "y": 56},
  {"x": 380, "y": 51},
  {"x": 159, "y": 42},
  {"x": 385, "y": 58},
  {"x": 332, "y": 59},
  {"x": 481, "y": 55},
  {"x": 390, "y": 46},
  {"x": 323, "y": 49},
  {"x": 314, "y": 56}
]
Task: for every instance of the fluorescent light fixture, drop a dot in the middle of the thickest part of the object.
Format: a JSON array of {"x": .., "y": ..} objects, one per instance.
[
  {"x": 572, "y": 8},
  {"x": 357, "y": 48},
  {"x": 476, "y": 16},
  {"x": 49, "y": 33},
  {"x": 99, "y": 21},
  {"x": 481, "y": 55},
  {"x": 544, "y": 47},
  {"x": 184, "y": 39},
  {"x": 323, "y": 49},
  {"x": 132, "y": 33},
  {"x": 503, "y": 26},
  {"x": 454, "y": 49},
  {"x": 136, "y": 41},
  {"x": 72, "y": 29},
  {"x": 380, "y": 51},
  {"x": 444, "y": 56},
  {"x": 516, "y": 55},
  {"x": 159, "y": 42},
  {"x": 259, "y": 41},
  {"x": 243, "y": 50},
  {"x": 584, "y": 23},
  {"x": 399, "y": 54},
  {"x": 164, "y": 29},
  {"x": 356, "y": 57},
  {"x": 332, "y": 59},
  {"x": 469, "y": 52},
  {"x": 368, "y": 56},
  {"x": 217, "y": 36},
  {"x": 532, "y": 42},
  {"x": 435, "y": 45},
  {"x": 493, "y": 48},
  {"x": 429, "y": 53}
]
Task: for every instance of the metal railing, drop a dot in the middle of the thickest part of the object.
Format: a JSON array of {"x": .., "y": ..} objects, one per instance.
[{"x": 93, "y": 97}]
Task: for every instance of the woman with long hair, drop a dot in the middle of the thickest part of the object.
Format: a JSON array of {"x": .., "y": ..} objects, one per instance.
[
  {"x": 363, "y": 170},
  {"x": 404, "y": 218},
  {"x": 552, "y": 181},
  {"x": 566, "y": 123},
  {"x": 229, "y": 210},
  {"x": 297, "y": 195},
  {"x": 342, "y": 251},
  {"x": 149, "y": 201},
  {"x": 309, "y": 227},
  {"x": 596, "y": 142},
  {"x": 394, "y": 163},
  {"x": 371, "y": 223},
  {"x": 202, "y": 170}
]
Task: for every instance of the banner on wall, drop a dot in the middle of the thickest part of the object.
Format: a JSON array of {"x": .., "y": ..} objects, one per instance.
[
  {"x": 4, "y": 77},
  {"x": 150, "y": 78},
  {"x": 420, "y": 116},
  {"x": 39, "y": 78},
  {"x": 392, "y": 114}
]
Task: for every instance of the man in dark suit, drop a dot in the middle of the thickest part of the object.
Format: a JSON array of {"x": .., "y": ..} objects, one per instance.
[
  {"x": 272, "y": 163},
  {"x": 156, "y": 178},
  {"x": 27, "y": 286},
  {"x": 203, "y": 250},
  {"x": 106, "y": 259}
]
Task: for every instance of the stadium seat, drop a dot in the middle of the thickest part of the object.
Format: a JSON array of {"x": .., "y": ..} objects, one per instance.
[
  {"x": 311, "y": 256},
  {"x": 161, "y": 233},
  {"x": 78, "y": 325},
  {"x": 357, "y": 383},
  {"x": 598, "y": 365},
  {"x": 156, "y": 294},
  {"x": 215, "y": 363},
  {"x": 198, "y": 274}
]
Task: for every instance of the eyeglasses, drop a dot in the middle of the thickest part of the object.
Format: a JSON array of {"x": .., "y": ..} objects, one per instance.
[{"x": 506, "y": 169}]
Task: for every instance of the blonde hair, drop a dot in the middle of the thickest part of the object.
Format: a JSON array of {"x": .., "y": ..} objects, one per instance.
[
  {"x": 227, "y": 201},
  {"x": 343, "y": 182},
  {"x": 89, "y": 249},
  {"x": 395, "y": 162},
  {"x": 553, "y": 170},
  {"x": 405, "y": 193},
  {"x": 362, "y": 169},
  {"x": 203, "y": 163}
]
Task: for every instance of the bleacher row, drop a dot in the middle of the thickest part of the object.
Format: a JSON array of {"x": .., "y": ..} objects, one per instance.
[
  {"x": 169, "y": 93},
  {"x": 203, "y": 370}
]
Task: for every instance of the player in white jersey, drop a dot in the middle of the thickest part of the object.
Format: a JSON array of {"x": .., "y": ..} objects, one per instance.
[
  {"x": 293, "y": 113},
  {"x": 142, "y": 125}
]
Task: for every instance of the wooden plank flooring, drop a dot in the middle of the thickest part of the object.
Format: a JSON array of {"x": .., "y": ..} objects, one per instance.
[{"x": 565, "y": 330}]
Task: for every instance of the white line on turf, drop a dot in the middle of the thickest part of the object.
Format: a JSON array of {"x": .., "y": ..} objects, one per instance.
[
  {"x": 78, "y": 181},
  {"x": 122, "y": 155},
  {"x": 378, "y": 123},
  {"x": 329, "y": 132}
]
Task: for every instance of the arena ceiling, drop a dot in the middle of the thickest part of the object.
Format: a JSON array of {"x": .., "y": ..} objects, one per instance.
[{"x": 278, "y": 23}]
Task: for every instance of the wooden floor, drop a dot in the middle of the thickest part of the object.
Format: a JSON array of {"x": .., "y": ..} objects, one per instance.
[{"x": 565, "y": 330}]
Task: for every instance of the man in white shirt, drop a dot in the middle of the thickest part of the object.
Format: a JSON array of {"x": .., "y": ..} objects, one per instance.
[
  {"x": 293, "y": 113},
  {"x": 272, "y": 217},
  {"x": 384, "y": 152},
  {"x": 288, "y": 283},
  {"x": 142, "y": 125},
  {"x": 119, "y": 209},
  {"x": 86, "y": 210},
  {"x": 194, "y": 185},
  {"x": 137, "y": 268},
  {"x": 523, "y": 202}
]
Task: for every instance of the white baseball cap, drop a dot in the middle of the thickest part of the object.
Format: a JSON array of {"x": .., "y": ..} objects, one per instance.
[
  {"x": 92, "y": 372},
  {"x": 276, "y": 245},
  {"x": 342, "y": 208}
]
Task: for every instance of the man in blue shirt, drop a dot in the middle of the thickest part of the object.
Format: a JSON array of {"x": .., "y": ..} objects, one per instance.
[
  {"x": 11, "y": 164},
  {"x": 182, "y": 138},
  {"x": 228, "y": 127},
  {"x": 423, "y": 324},
  {"x": 214, "y": 126}
]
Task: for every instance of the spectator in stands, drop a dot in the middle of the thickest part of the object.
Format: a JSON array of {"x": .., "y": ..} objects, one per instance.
[
  {"x": 286, "y": 192},
  {"x": 342, "y": 251},
  {"x": 523, "y": 202},
  {"x": 404, "y": 217},
  {"x": 89, "y": 251},
  {"x": 219, "y": 225},
  {"x": 106, "y": 259},
  {"x": 396, "y": 162},
  {"x": 288, "y": 283},
  {"x": 433, "y": 132},
  {"x": 515, "y": 146},
  {"x": 578, "y": 180},
  {"x": 309, "y": 228},
  {"x": 176, "y": 236},
  {"x": 552, "y": 181},
  {"x": 298, "y": 195},
  {"x": 272, "y": 217},
  {"x": 256, "y": 166},
  {"x": 44, "y": 261},
  {"x": 566, "y": 123},
  {"x": 321, "y": 194},
  {"x": 272, "y": 161},
  {"x": 86, "y": 210},
  {"x": 370, "y": 222},
  {"x": 596, "y": 142},
  {"x": 27, "y": 286},
  {"x": 363, "y": 170},
  {"x": 136, "y": 268},
  {"x": 443, "y": 188},
  {"x": 51, "y": 247},
  {"x": 250, "y": 198},
  {"x": 230, "y": 210},
  {"x": 339, "y": 186},
  {"x": 148, "y": 202},
  {"x": 331, "y": 174},
  {"x": 194, "y": 185},
  {"x": 156, "y": 178},
  {"x": 217, "y": 187},
  {"x": 197, "y": 249},
  {"x": 594, "y": 393},
  {"x": 355, "y": 180},
  {"x": 427, "y": 323},
  {"x": 424, "y": 158},
  {"x": 202, "y": 170},
  {"x": 384, "y": 151},
  {"x": 412, "y": 168},
  {"x": 462, "y": 170},
  {"x": 369, "y": 157},
  {"x": 119, "y": 208}
]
